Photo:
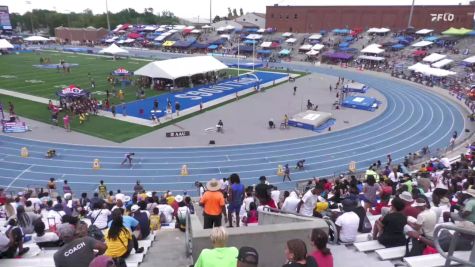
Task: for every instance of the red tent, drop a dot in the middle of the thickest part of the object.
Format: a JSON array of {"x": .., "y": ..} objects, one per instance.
[
  {"x": 187, "y": 31},
  {"x": 124, "y": 27},
  {"x": 419, "y": 53},
  {"x": 134, "y": 35}
]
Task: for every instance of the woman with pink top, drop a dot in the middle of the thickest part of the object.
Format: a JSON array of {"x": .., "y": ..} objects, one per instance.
[
  {"x": 67, "y": 126},
  {"x": 322, "y": 254}
]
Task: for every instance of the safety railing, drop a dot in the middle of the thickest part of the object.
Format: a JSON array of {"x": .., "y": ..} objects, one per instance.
[{"x": 449, "y": 256}]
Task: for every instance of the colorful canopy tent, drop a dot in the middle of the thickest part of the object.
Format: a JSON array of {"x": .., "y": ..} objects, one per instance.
[
  {"x": 212, "y": 47},
  {"x": 422, "y": 44},
  {"x": 424, "y": 31},
  {"x": 344, "y": 44},
  {"x": 72, "y": 91},
  {"x": 284, "y": 52},
  {"x": 134, "y": 35},
  {"x": 455, "y": 31},
  {"x": 338, "y": 55},
  {"x": 398, "y": 46},
  {"x": 442, "y": 63},
  {"x": 181, "y": 67},
  {"x": 121, "y": 72},
  {"x": 113, "y": 49},
  {"x": 36, "y": 39},
  {"x": 431, "y": 38},
  {"x": 184, "y": 43},
  {"x": 250, "y": 42},
  {"x": 418, "y": 53},
  {"x": 168, "y": 43},
  {"x": 264, "y": 52},
  {"x": 373, "y": 49},
  {"x": 4, "y": 44},
  {"x": 199, "y": 46},
  {"x": 433, "y": 58}
]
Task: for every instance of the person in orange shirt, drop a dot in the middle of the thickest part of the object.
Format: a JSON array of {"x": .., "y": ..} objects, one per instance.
[{"x": 212, "y": 202}]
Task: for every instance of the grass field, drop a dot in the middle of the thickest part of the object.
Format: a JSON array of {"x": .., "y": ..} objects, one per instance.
[{"x": 17, "y": 73}]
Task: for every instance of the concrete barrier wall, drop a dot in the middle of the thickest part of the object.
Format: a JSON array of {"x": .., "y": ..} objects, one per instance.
[{"x": 268, "y": 238}]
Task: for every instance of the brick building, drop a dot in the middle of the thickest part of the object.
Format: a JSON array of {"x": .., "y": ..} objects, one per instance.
[
  {"x": 315, "y": 18},
  {"x": 82, "y": 35}
]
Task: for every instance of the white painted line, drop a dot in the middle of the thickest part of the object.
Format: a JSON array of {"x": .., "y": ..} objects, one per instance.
[{"x": 18, "y": 176}]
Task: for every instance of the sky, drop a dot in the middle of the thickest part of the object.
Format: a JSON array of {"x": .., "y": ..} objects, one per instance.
[{"x": 193, "y": 8}]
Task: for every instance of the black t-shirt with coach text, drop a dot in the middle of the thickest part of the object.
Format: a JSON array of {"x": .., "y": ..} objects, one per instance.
[{"x": 77, "y": 253}]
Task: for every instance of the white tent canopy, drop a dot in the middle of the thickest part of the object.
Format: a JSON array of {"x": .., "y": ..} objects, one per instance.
[
  {"x": 206, "y": 27},
  {"x": 422, "y": 44},
  {"x": 315, "y": 37},
  {"x": 424, "y": 31},
  {"x": 254, "y": 37},
  {"x": 317, "y": 47},
  {"x": 129, "y": 40},
  {"x": 312, "y": 53},
  {"x": 434, "y": 57},
  {"x": 149, "y": 28},
  {"x": 428, "y": 70},
  {"x": 372, "y": 58},
  {"x": 442, "y": 63},
  {"x": 287, "y": 34},
  {"x": 291, "y": 40},
  {"x": 373, "y": 49},
  {"x": 261, "y": 31},
  {"x": 378, "y": 30},
  {"x": 113, "y": 49},
  {"x": 470, "y": 60},
  {"x": 266, "y": 44},
  {"x": 225, "y": 36},
  {"x": 180, "y": 67},
  {"x": 4, "y": 44},
  {"x": 196, "y": 31},
  {"x": 36, "y": 39},
  {"x": 306, "y": 47}
]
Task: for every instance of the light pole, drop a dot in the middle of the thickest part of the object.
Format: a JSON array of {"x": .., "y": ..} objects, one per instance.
[
  {"x": 409, "y": 23},
  {"x": 31, "y": 15},
  {"x": 253, "y": 54},
  {"x": 69, "y": 18},
  {"x": 239, "y": 65},
  {"x": 107, "y": 16}
]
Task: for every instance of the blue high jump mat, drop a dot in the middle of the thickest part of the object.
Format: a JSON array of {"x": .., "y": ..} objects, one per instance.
[
  {"x": 361, "y": 102},
  {"x": 356, "y": 88}
]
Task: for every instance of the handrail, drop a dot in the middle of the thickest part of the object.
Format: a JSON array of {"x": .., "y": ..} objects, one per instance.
[
  {"x": 188, "y": 239},
  {"x": 449, "y": 256}
]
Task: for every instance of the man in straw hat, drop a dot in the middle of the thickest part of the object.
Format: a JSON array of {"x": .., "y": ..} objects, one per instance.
[{"x": 212, "y": 202}]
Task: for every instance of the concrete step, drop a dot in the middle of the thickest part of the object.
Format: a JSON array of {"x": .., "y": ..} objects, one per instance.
[{"x": 168, "y": 250}]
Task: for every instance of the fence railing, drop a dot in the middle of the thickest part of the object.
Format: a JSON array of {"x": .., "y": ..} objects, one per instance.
[{"x": 449, "y": 256}]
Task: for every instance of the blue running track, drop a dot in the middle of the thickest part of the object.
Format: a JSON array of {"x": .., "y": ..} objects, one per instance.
[{"x": 413, "y": 118}]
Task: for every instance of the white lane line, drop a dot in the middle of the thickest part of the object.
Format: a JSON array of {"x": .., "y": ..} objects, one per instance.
[{"x": 18, "y": 176}]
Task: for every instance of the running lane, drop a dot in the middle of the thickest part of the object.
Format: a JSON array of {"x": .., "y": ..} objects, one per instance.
[{"x": 413, "y": 118}]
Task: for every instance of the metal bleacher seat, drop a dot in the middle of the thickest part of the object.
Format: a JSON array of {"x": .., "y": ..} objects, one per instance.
[
  {"x": 391, "y": 253},
  {"x": 368, "y": 246},
  {"x": 434, "y": 260}
]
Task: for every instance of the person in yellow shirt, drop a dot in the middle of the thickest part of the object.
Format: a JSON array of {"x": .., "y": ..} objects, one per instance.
[
  {"x": 155, "y": 220},
  {"x": 118, "y": 238}
]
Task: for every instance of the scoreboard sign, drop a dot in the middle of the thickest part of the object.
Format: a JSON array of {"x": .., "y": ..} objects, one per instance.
[{"x": 178, "y": 134}]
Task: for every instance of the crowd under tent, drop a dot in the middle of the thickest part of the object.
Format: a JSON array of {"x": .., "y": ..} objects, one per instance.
[
  {"x": 373, "y": 49},
  {"x": 422, "y": 44},
  {"x": 4, "y": 44},
  {"x": 173, "y": 69},
  {"x": 315, "y": 37},
  {"x": 433, "y": 57},
  {"x": 338, "y": 56},
  {"x": 424, "y": 31},
  {"x": 442, "y": 63},
  {"x": 287, "y": 34},
  {"x": 306, "y": 47},
  {"x": 372, "y": 58},
  {"x": 113, "y": 49}
]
